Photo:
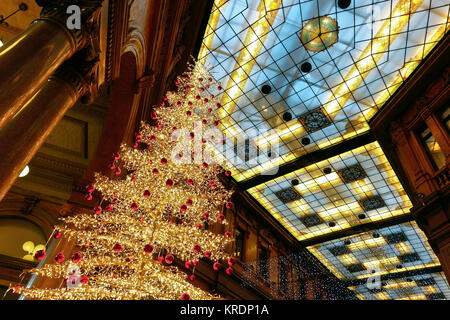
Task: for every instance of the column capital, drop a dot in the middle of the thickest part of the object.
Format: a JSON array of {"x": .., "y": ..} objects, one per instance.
[
  {"x": 56, "y": 11},
  {"x": 80, "y": 72}
]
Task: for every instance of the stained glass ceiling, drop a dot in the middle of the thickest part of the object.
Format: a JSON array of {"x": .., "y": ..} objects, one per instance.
[
  {"x": 278, "y": 92},
  {"x": 360, "y": 187},
  {"x": 301, "y": 76}
]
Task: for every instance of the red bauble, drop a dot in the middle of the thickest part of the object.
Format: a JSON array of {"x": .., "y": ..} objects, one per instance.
[
  {"x": 218, "y": 105},
  {"x": 229, "y": 205},
  {"x": 190, "y": 181},
  {"x": 204, "y": 121},
  {"x": 152, "y": 138},
  {"x": 216, "y": 123},
  {"x": 207, "y": 254},
  {"x": 148, "y": 248},
  {"x": 197, "y": 97},
  {"x": 231, "y": 261},
  {"x": 88, "y": 197},
  {"x": 59, "y": 257},
  {"x": 160, "y": 259},
  {"x": 185, "y": 296},
  {"x": 76, "y": 257},
  {"x": 195, "y": 263},
  {"x": 187, "y": 265},
  {"x": 133, "y": 178},
  {"x": 192, "y": 135},
  {"x": 109, "y": 208},
  {"x": 169, "y": 259},
  {"x": 134, "y": 206},
  {"x": 98, "y": 210},
  {"x": 189, "y": 103},
  {"x": 117, "y": 247},
  {"x": 164, "y": 161},
  {"x": 228, "y": 173},
  {"x": 198, "y": 225},
  {"x": 216, "y": 266},
  {"x": 16, "y": 291},
  {"x": 219, "y": 87},
  {"x": 189, "y": 202},
  {"x": 117, "y": 171},
  {"x": 209, "y": 109},
  {"x": 90, "y": 188},
  {"x": 153, "y": 115},
  {"x": 183, "y": 208},
  {"x": 146, "y": 193},
  {"x": 229, "y": 271},
  {"x": 197, "y": 248},
  {"x": 116, "y": 155},
  {"x": 40, "y": 254},
  {"x": 221, "y": 217},
  {"x": 155, "y": 171},
  {"x": 227, "y": 234},
  {"x": 205, "y": 215},
  {"x": 84, "y": 279},
  {"x": 210, "y": 79},
  {"x": 169, "y": 182},
  {"x": 57, "y": 234},
  {"x": 134, "y": 145},
  {"x": 205, "y": 165},
  {"x": 188, "y": 113},
  {"x": 206, "y": 100},
  {"x": 192, "y": 277},
  {"x": 112, "y": 166}
]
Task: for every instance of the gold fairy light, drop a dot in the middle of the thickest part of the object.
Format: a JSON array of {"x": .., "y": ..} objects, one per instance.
[{"x": 156, "y": 209}]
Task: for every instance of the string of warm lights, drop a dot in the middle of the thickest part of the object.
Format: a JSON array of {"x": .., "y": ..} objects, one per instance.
[{"x": 156, "y": 209}]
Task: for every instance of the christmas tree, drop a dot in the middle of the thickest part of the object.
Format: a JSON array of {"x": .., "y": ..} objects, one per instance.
[{"x": 154, "y": 211}]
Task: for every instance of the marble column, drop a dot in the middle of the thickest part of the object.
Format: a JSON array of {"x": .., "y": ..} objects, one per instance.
[
  {"x": 22, "y": 136},
  {"x": 28, "y": 60}
]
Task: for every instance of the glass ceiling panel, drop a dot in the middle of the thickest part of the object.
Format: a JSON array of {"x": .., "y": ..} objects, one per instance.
[
  {"x": 326, "y": 96},
  {"x": 431, "y": 286},
  {"x": 350, "y": 189},
  {"x": 381, "y": 252}
]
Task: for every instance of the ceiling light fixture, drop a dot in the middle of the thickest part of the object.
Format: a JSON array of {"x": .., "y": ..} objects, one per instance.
[
  {"x": 22, "y": 7},
  {"x": 24, "y": 172}
]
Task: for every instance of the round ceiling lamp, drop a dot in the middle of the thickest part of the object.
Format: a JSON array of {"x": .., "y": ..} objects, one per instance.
[
  {"x": 319, "y": 34},
  {"x": 24, "y": 172},
  {"x": 344, "y": 4}
]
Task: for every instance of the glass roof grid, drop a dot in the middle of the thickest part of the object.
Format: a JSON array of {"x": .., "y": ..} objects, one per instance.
[
  {"x": 354, "y": 123},
  {"x": 319, "y": 197},
  {"x": 398, "y": 288}
]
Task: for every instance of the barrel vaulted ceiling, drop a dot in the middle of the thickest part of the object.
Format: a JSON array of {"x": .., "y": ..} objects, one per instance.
[{"x": 307, "y": 75}]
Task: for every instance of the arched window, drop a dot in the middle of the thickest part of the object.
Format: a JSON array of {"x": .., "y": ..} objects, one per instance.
[{"x": 20, "y": 238}]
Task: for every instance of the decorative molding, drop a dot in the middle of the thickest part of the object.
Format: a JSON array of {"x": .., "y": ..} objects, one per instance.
[{"x": 398, "y": 134}]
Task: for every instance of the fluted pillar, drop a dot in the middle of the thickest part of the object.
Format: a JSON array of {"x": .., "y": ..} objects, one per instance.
[
  {"x": 29, "y": 59},
  {"x": 22, "y": 137}
]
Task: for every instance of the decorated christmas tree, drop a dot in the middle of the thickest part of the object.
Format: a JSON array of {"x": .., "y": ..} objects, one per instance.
[{"x": 154, "y": 212}]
